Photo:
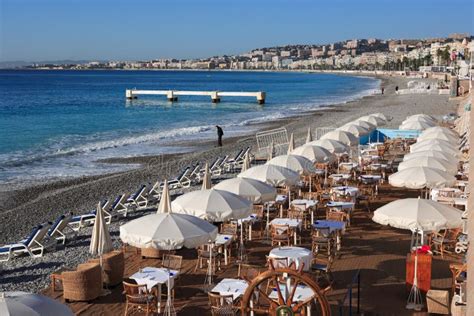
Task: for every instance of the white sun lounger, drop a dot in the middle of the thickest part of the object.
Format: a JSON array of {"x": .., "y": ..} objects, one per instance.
[
  {"x": 119, "y": 207},
  {"x": 57, "y": 230},
  {"x": 79, "y": 221},
  {"x": 182, "y": 181},
  {"x": 138, "y": 200},
  {"x": 32, "y": 245},
  {"x": 194, "y": 175}
]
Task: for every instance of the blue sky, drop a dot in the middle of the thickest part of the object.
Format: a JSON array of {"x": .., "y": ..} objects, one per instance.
[{"x": 34, "y": 30}]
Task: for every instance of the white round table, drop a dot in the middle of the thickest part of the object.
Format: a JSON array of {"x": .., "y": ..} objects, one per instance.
[
  {"x": 298, "y": 255},
  {"x": 345, "y": 190}
]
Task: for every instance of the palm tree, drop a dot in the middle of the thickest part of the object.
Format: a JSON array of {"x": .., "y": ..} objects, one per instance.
[{"x": 438, "y": 55}]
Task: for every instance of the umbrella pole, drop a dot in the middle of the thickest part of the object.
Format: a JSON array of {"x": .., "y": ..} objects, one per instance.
[
  {"x": 208, "y": 281},
  {"x": 415, "y": 299},
  {"x": 310, "y": 182},
  {"x": 169, "y": 308}
]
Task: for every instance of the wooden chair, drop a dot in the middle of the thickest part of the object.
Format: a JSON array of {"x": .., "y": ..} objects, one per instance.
[
  {"x": 230, "y": 229},
  {"x": 298, "y": 211},
  {"x": 248, "y": 271},
  {"x": 445, "y": 241},
  {"x": 336, "y": 216},
  {"x": 204, "y": 255},
  {"x": 321, "y": 238},
  {"x": 139, "y": 298},
  {"x": 173, "y": 262},
  {"x": 321, "y": 267},
  {"x": 221, "y": 304},
  {"x": 281, "y": 234}
]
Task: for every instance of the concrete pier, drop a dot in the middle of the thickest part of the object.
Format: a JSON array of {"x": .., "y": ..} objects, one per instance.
[{"x": 172, "y": 95}]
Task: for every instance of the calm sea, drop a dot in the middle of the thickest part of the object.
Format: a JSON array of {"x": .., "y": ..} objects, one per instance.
[{"x": 56, "y": 124}]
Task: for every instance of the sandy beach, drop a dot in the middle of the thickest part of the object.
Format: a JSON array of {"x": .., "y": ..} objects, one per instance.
[{"x": 23, "y": 209}]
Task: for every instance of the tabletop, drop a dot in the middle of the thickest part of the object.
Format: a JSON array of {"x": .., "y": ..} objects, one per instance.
[
  {"x": 308, "y": 203},
  {"x": 332, "y": 225},
  {"x": 344, "y": 176},
  {"x": 222, "y": 239},
  {"x": 234, "y": 287},
  {"x": 298, "y": 255},
  {"x": 340, "y": 204},
  {"x": 251, "y": 218},
  {"x": 346, "y": 190},
  {"x": 286, "y": 221},
  {"x": 152, "y": 276}
]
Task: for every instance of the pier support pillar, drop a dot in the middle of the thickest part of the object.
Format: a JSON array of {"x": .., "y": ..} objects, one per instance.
[
  {"x": 215, "y": 97},
  {"x": 129, "y": 94},
  {"x": 171, "y": 97},
  {"x": 261, "y": 98}
]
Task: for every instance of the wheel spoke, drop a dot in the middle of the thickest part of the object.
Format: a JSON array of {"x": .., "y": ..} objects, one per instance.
[{"x": 281, "y": 300}]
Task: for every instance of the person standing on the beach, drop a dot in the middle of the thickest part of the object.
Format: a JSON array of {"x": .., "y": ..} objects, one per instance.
[
  {"x": 220, "y": 133},
  {"x": 383, "y": 89}
]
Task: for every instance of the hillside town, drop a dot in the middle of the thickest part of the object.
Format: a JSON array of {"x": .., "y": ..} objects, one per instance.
[{"x": 433, "y": 54}]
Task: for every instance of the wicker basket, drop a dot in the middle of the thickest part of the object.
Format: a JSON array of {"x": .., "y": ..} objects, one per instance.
[{"x": 438, "y": 302}]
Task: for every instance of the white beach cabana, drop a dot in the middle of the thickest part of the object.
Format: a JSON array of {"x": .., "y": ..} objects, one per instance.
[
  {"x": 212, "y": 205},
  {"x": 271, "y": 174},
  {"x": 420, "y": 178},
  {"x": 256, "y": 191},
  {"x": 316, "y": 154},
  {"x": 421, "y": 117},
  {"x": 429, "y": 162},
  {"x": 299, "y": 164},
  {"x": 344, "y": 137},
  {"x": 354, "y": 129},
  {"x": 333, "y": 146},
  {"x": 30, "y": 304}
]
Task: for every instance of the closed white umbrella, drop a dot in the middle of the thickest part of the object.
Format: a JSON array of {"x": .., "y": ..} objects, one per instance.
[
  {"x": 206, "y": 180},
  {"x": 271, "y": 174},
  {"x": 418, "y": 214},
  {"x": 296, "y": 163},
  {"x": 316, "y": 154},
  {"x": 270, "y": 151},
  {"x": 372, "y": 119},
  {"x": 100, "y": 238},
  {"x": 439, "y": 135},
  {"x": 354, "y": 129},
  {"x": 342, "y": 136},
  {"x": 331, "y": 145},
  {"x": 213, "y": 205},
  {"x": 167, "y": 231},
  {"x": 428, "y": 142},
  {"x": 291, "y": 144},
  {"x": 165, "y": 201},
  {"x": 429, "y": 162},
  {"x": 309, "y": 136},
  {"x": 246, "y": 162},
  {"x": 29, "y": 304},
  {"x": 415, "y": 125},
  {"x": 364, "y": 124},
  {"x": 431, "y": 153},
  {"x": 421, "y": 177},
  {"x": 254, "y": 190}
]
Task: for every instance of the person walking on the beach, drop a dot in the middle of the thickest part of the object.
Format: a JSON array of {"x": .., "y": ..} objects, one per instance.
[
  {"x": 220, "y": 133},
  {"x": 383, "y": 89}
]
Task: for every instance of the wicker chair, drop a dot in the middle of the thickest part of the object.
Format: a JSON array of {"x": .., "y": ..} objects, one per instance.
[
  {"x": 281, "y": 234},
  {"x": 84, "y": 284},
  {"x": 139, "y": 298},
  {"x": 113, "y": 264}
]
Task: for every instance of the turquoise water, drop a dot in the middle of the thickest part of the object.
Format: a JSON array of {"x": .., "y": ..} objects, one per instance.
[{"x": 58, "y": 123}]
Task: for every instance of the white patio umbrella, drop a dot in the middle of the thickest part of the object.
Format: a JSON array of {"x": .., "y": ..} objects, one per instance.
[
  {"x": 29, "y": 304},
  {"x": 444, "y": 143},
  {"x": 246, "y": 162},
  {"x": 418, "y": 214},
  {"x": 309, "y": 136},
  {"x": 354, "y": 129},
  {"x": 299, "y": 164},
  {"x": 438, "y": 147},
  {"x": 364, "y": 124},
  {"x": 316, "y": 154},
  {"x": 429, "y": 162},
  {"x": 421, "y": 177},
  {"x": 100, "y": 238},
  {"x": 212, "y": 205},
  {"x": 436, "y": 129},
  {"x": 333, "y": 146},
  {"x": 421, "y": 117},
  {"x": 380, "y": 115},
  {"x": 342, "y": 136},
  {"x": 254, "y": 190},
  {"x": 372, "y": 119},
  {"x": 431, "y": 153},
  {"x": 206, "y": 180},
  {"x": 165, "y": 201},
  {"x": 271, "y": 174},
  {"x": 438, "y": 135},
  {"x": 415, "y": 125},
  {"x": 291, "y": 144}
]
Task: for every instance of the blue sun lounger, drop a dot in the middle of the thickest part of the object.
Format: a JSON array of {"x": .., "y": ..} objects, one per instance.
[{"x": 32, "y": 245}]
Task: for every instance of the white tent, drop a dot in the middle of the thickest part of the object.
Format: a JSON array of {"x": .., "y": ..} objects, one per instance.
[
  {"x": 271, "y": 174},
  {"x": 332, "y": 146},
  {"x": 342, "y": 136},
  {"x": 380, "y": 115},
  {"x": 421, "y": 117},
  {"x": 30, "y": 304},
  {"x": 431, "y": 153},
  {"x": 354, "y": 129},
  {"x": 418, "y": 214},
  {"x": 316, "y": 154},
  {"x": 212, "y": 205},
  {"x": 254, "y": 190},
  {"x": 296, "y": 163},
  {"x": 429, "y": 162},
  {"x": 421, "y": 177}
]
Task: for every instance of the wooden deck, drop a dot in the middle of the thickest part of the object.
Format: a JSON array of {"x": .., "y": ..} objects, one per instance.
[{"x": 378, "y": 251}]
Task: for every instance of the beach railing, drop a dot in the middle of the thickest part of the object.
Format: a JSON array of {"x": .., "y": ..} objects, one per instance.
[
  {"x": 349, "y": 295},
  {"x": 278, "y": 136}
]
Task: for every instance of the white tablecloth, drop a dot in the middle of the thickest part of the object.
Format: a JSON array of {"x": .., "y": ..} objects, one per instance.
[
  {"x": 249, "y": 219},
  {"x": 234, "y": 287},
  {"x": 345, "y": 190},
  {"x": 308, "y": 203},
  {"x": 153, "y": 276},
  {"x": 286, "y": 221},
  {"x": 302, "y": 293},
  {"x": 340, "y": 176},
  {"x": 341, "y": 205},
  {"x": 222, "y": 239},
  {"x": 294, "y": 254}
]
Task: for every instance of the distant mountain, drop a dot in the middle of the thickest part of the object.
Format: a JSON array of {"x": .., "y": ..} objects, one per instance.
[{"x": 22, "y": 64}]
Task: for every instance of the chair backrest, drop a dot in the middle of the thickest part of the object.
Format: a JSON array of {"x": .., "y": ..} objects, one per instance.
[
  {"x": 224, "y": 160},
  {"x": 119, "y": 201},
  {"x": 248, "y": 271},
  {"x": 259, "y": 210},
  {"x": 59, "y": 225},
  {"x": 278, "y": 263},
  {"x": 336, "y": 216},
  {"x": 104, "y": 204},
  {"x": 138, "y": 192},
  {"x": 322, "y": 232},
  {"x": 298, "y": 206},
  {"x": 229, "y": 229},
  {"x": 280, "y": 230},
  {"x": 53, "y": 227},
  {"x": 218, "y": 300},
  {"x": 223, "y": 311},
  {"x": 172, "y": 262},
  {"x": 33, "y": 234},
  {"x": 195, "y": 170},
  {"x": 243, "y": 153},
  {"x": 38, "y": 237},
  {"x": 237, "y": 156},
  {"x": 184, "y": 174},
  {"x": 131, "y": 289}
]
